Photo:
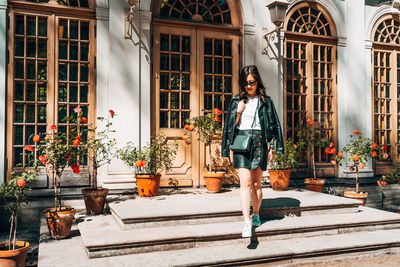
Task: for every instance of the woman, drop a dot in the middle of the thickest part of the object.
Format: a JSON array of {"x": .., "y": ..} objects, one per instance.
[{"x": 252, "y": 113}]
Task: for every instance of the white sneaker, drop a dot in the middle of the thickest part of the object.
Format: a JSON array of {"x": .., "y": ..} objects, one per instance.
[
  {"x": 247, "y": 229},
  {"x": 256, "y": 219}
]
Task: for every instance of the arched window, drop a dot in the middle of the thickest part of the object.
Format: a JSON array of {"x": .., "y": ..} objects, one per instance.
[
  {"x": 196, "y": 64},
  {"x": 386, "y": 86},
  {"x": 51, "y": 70},
  {"x": 310, "y": 74}
]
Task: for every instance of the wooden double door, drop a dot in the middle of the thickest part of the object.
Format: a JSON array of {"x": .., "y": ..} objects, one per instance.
[{"x": 194, "y": 71}]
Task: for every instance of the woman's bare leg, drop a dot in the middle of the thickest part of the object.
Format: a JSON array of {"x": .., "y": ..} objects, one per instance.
[
  {"x": 256, "y": 192},
  {"x": 245, "y": 185}
]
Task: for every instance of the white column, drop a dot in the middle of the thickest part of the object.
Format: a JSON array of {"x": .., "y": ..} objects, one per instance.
[{"x": 3, "y": 74}]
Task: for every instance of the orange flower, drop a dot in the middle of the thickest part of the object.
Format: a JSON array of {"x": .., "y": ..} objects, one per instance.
[
  {"x": 217, "y": 111},
  {"x": 215, "y": 118},
  {"x": 356, "y": 158},
  {"x": 139, "y": 163},
  {"x": 356, "y": 132},
  {"x": 294, "y": 146},
  {"x": 78, "y": 138},
  {"x": 340, "y": 154},
  {"x": 43, "y": 159},
  {"x": 374, "y": 154},
  {"x": 77, "y": 142},
  {"x": 68, "y": 157},
  {"x": 333, "y": 151},
  {"x": 36, "y": 138},
  {"x": 187, "y": 126},
  {"x": 29, "y": 148},
  {"x": 379, "y": 183},
  {"x": 374, "y": 145},
  {"x": 53, "y": 127},
  {"x": 21, "y": 182},
  {"x": 328, "y": 150},
  {"x": 83, "y": 120},
  {"x": 143, "y": 163},
  {"x": 362, "y": 166},
  {"x": 384, "y": 183},
  {"x": 191, "y": 127},
  {"x": 310, "y": 122}
]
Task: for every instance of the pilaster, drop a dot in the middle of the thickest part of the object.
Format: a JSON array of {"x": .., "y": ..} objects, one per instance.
[{"x": 3, "y": 75}]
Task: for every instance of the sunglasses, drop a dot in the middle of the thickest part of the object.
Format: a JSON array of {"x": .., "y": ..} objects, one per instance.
[{"x": 252, "y": 83}]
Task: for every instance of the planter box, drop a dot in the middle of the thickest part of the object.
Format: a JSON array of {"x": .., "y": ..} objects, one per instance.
[{"x": 391, "y": 197}]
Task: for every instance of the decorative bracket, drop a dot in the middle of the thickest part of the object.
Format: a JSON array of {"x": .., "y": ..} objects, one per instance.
[
  {"x": 129, "y": 13},
  {"x": 269, "y": 38}
]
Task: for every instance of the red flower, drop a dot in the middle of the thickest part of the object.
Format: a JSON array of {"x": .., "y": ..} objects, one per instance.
[
  {"x": 217, "y": 111},
  {"x": 78, "y": 138},
  {"x": 29, "y": 148},
  {"x": 356, "y": 158},
  {"x": 374, "y": 145},
  {"x": 77, "y": 142},
  {"x": 310, "y": 122},
  {"x": 75, "y": 168},
  {"x": 384, "y": 183},
  {"x": 352, "y": 169},
  {"x": 112, "y": 113},
  {"x": 68, "y": 157},
  {"x": 384, "y": 147},
  {"x": 36, "y": 138},
  {"x": 215, "y": 118},
  {"x": 21, "y": 182},
  {"x": 356, "y": 132},
  {"x": 53, "y": 127},
  {"x": 187, "y": 127},
  {"x": 191, "y": 127},
  {"x": 43, "y": 159},
  {"x": 331, "y": 144},
  {"x": 328, "y": 150},
  {"x": 333, "y": 151},
  {"x": 83, "y": 120},
  {"x": 374, "y": 154}
]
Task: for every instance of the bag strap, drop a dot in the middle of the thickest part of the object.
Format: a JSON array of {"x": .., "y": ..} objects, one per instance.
[{"x": 255, "y": 113}]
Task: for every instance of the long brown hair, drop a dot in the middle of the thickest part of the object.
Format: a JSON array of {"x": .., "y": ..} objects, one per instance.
[{"x": 251, "y": 69}]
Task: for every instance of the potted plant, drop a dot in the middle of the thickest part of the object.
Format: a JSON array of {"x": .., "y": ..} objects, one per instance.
[
  {"x": 209, "y": 130},
  {"x": 359, "y": 150},
  {"x": 309, "y": 139},
  {"x": 100, "y": 151},
  {"x": 58, "y": 151},
  {"x": 12, "y": 197},
  {"x": 280, "y": 167},
  {"x": 148, "y": 162}
]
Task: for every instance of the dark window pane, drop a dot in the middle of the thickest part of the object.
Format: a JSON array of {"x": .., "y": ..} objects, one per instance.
[
  {"x": 164, "y": 100},
  {"x": 19, "y": 24},
  {"x": 84, "y": 30},
  {"x": 73, "y": 72},
  {"x": 185, "y": 116},
  {"x": 174, "y": 119},
  {"x": 42, "y": 71},
  {"x": 84, "y": 94},
  {"x": 186, "y": 44},
  {"x": 73, "y": 2},
  {"x": 218, "y": 47},
  {"x": 41, "y": 114},
  {"x": 63, "y": 50},
  {"x": 18, "y": 155},
  {"x": 84, "y": 72},
  {"x": 31, "y": 25},
  {"x": 31, "y": 47},
  {"x": 208, "y": 65},
  {"x": 42, "y": 27},
  {"x": 19, "y": 69},
  {"x": 19, "y": 135},
  {"x": 227, "y": 100},
  {"x": 164, "y": 42},
  {"x": 175, "y": 79},
  {"x": 62, "y": 71},
  {"x": 175, "y": 101},
  {"x": 218, "y": 65},
  {"x": 227, "y": 48},
  {"x": 208, "y": 102},
  {"x": 227, "y": 66},
  {"x": 63, "y": 29},
  {"x": 164, "y": 62},
  {"x": 30, "y": 132},
  {"x": 227, "y": 84},
  {"x": 30, "y": 113},
  {"x": 84, "y": 111},
  {"x": 185, "y": 63},
  {"x": 175, "y": 62},
  {"x": 208, "y": 83},
  {"x": 218, "y": 101},
  {"x": 73, "y": 51},
  {"x": 208, "y": 46},
  {"x": 42, "y": 49},
  {"x": 62, "y": 113},
  {"x": 62, "y": 93},
  {"x": 19, "y": 91},
  {"x": 73, "y": 93},
  {"x": 19, "y": 113},
  {"x": 164, "y": 119},
  {"x": 19, "y": 47},
  {"x": 84, "y": 51},
  {"x": 185, "y": 101},
  {"x": 73, "y": 34},
  {"x": 164, "y": 81},
  {"x": 30, "y": 92},
  {"x": 217, "y": 84},
  {"x": 175, "y": 43},
  {"x": 30, "y": 69},
  {"x": 185, "y": 82}
]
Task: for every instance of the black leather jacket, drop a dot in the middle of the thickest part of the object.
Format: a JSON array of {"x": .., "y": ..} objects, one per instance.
[{"x": 269, "y": 122}]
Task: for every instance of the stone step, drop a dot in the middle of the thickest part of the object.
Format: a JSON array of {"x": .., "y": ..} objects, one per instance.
[
  {"x": 116, "y": 241},
  {"x": 196, "y": 207},
  {"x": 275, "y": 252}
]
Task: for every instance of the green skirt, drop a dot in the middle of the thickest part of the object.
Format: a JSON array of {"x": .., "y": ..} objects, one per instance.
[{"x": 257, "y": 156}]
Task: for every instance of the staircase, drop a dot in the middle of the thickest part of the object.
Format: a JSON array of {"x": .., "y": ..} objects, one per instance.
[{"x": 195, "y": 228}]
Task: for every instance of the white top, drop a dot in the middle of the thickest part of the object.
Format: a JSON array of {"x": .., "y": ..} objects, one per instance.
[{"x": 247, "y": 119}]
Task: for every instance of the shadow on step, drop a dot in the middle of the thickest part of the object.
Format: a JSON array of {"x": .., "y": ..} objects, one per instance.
[{"x": 278, "y": 208}]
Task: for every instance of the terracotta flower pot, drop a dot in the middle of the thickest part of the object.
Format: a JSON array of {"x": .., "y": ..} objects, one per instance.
[
  {"x": 95, "y": 199},
  {"x": 279, "y": 179},
  {"x": 15, "y": 257},
  {"x": 59, "y": 222},
  {"x": 214, "y": 181},
  {"x": 360, "y": 196},
  {"x": 148, "y": 185},
  {"x": 314, "y": 184}
]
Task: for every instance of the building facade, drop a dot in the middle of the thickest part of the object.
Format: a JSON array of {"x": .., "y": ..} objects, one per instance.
[{"x": 157, "y": 62}]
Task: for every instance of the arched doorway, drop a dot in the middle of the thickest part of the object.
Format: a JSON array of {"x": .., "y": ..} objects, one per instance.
[
  {"x": 310, "y": 52},
  {"x": 196, "y": 54}
]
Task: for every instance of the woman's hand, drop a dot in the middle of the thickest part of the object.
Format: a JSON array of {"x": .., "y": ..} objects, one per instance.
[
  {"x": 241, "y": 106},
  {"x": 271, "y": 154}
]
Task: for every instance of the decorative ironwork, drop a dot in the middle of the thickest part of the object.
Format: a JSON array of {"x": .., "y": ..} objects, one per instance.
[
  {"x": 309, "y": 20},
  {"x": 388, "y": 32}
]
